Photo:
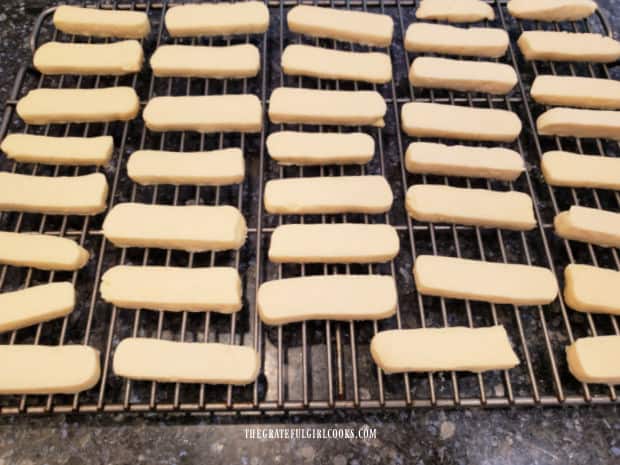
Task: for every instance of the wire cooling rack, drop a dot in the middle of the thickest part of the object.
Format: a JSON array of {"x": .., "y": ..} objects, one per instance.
[{"x": 320, "y": 365}]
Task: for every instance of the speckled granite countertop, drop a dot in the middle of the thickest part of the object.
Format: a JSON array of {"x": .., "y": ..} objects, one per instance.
[
  {"x": 481, "y": 437},
  {"x": 511, "y": 436}
]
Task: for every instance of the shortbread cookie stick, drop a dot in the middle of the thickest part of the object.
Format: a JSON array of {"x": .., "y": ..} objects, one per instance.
[
  {"x": 576, "y": 91},
  {"x": 102, "y": 23},
  {"x": 455, "y": 11},
  {"x": 207, "y": 113},
  {"x": 35, "y": 304},
  {"x": 209, "y": 19},
  {"x": 590, "y": 225},
  {"x": 32, "y": 148},
  {"x": 464, "y": 160},
  {"x": 459, "y": 122},
  {"x": 41, "y": 251},
  {"x": 38, "y": 369},
  {"x": 320, "y": 148},
  {"x": 212, "y": 168},
  {"x": 232, "y": 61},
  {"x": 46, "y": 106},
  {"x": 333, "y": 243},
  {"x": 170, "y": 361},
  {"x": 551, "y": 10},
  {"x": 477, "y": 207},
  {"x": 319, "y": 195},
  {"x": 335, "y": 297},
  {"x": 172, "y": 288},
  {"x": 63, "y": 195},
  {"x": 462, "y": 75},
  {"x": 338, "y": 107},
  {"x": 306, "y": 60},
  {"x": 442, "y": 38},
  {"x": 595, "y": 359},
  {"x": 194, "y": 228},
  {"x": 501, "y": 283},
  {"x": 443, "y": 349},
  {"x": 592, "y": 289},
  {"x": 568, "y": 46},
  {"x": 346, "y": 25},
  {"x": 114, "y": 58},
  {"x": 576, "y": 170},
  {"x": 571, "y": 122}
]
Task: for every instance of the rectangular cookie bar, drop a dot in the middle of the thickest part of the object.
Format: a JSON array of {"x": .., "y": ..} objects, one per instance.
[
  {"x": 443, "y": 349},
  {"x": 320, "y": 148},
  {"x": 324, "y": 63},
  {"x": 47, "y": 106},
  {"x": 27, "y": 307},
  {"x": 576, "y": 91},
  {"x": 333, "y": 243},
  {"x": 455, "y": 11},
  {"x": 500, "y": 283},
  {"x": 576, "y": 170},
  {"x": 551, "y": 10},
  {"x": 571, "y": 122},
  {"x": 38, "y": 369},
  {"x": 32, "y": 148},
  {"x": 212, "y": 168},
  {"x": 464, "y": 160},
  {"x": 114, "y": 58},
  {"x": 194, "y": 228},
  {"x": 595, "y": 359},
  {"x": 568, "y": 46},
  {"x": 452, "y": 40},
  {"x": 319, "y": 195},
  {"x": 202, "y": 61},
  {"x": 462, "y": 75},
  {"x": 339, "y": 107},
  {"x": 599, "y": 227},
  {"x": 41, "y": 251},
  {"x": 477, "y": 207},
  {"x": 459, "y": 122},
  {"x": 63, "y": 195},
  {"x": 206, "y": 113},
  {"x": 176, "y": 362},
  {"x": 210, "y": 19},
  {"x": 173, "y": 288},
  {"x": 592, "y": 289},
  {"x": 346, "y": 25},
  {"x": 334, "y": 297},
  {"x": 101, "y": 23}
]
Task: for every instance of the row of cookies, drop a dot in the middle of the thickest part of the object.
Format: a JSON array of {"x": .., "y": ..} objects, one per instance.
[
  {"x": 121, "y": 285},
  {"x": 562, "y": 167},
  {"x": 459, "y": 348},
  {"x": 336, "y": 296},
  {"x": 584, "y": 109},
  {"x": 458, "y": 160},
  {"x": 192, "y": 228}
]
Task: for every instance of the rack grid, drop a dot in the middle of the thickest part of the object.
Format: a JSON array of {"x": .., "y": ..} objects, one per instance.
[{"x": 319, "y": 365}]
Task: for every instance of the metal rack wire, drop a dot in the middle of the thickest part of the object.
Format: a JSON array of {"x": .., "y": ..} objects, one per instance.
[{"x": 322, "y": 365}]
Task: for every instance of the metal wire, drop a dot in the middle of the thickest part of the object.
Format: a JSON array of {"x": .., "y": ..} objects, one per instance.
[{"x": 314, "y": 366}]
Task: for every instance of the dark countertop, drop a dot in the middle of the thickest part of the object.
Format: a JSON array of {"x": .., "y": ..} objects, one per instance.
[
  {"x": 587, "y": 435},
  {"x": 482, "y": 437}
]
